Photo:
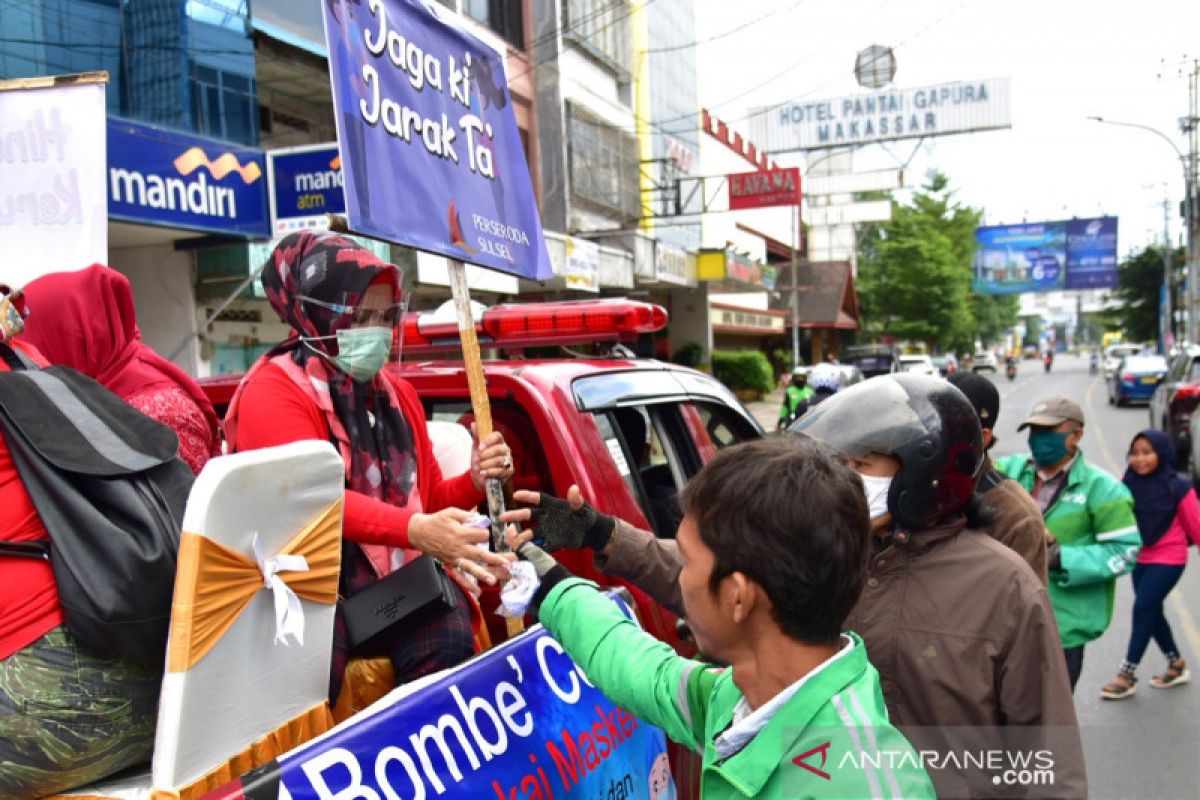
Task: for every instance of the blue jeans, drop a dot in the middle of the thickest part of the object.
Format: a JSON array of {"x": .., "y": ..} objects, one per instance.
[{"x": 1151, "y": 585}]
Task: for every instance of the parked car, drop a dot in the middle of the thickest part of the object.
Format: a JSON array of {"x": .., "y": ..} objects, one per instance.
[
  {"x": 918, "y": 364},
  {"x": 984, "y": 360},
  {"x": 1173, "y": 401},
  {"x": 560, "y": 417},
  {"x": 849, "y": 373},
  {"x": 871, "y": 359},
  {"x": 946, "y": 364},
  {"x": 1136, "y": 378},
  {"x": 1113, "y": 355}
]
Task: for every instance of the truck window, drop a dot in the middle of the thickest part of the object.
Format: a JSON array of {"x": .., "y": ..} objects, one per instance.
[{"x": 657, "y": 448}]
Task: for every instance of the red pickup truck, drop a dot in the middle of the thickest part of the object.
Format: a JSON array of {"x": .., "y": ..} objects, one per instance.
[{"x": 630, "y": 432}]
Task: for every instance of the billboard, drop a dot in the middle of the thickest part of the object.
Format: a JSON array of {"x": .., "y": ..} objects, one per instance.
[
  {"x": 883, "y": 116},
  {"x": 1046, "y": 256},
  {"x": 306, "y": 186}
]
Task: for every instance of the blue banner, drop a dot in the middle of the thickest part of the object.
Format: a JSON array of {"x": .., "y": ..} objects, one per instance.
[
  {"x": 520, "y": 721},
  {"x": 306, "y": 184},
  {"x": 162, "y": 177},
  {"x": 1020, "y": 258},
  {"x": 432, "y": 155},
  {"x": 1046, "y": 256},
  {"x": 1092, "y": 253}
]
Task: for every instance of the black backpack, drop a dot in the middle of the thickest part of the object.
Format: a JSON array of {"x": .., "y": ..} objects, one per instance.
[{"x": 110, "y": 489}]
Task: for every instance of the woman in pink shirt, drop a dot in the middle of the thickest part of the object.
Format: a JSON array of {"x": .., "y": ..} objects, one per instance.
[{"x": 1168, "y": 517}]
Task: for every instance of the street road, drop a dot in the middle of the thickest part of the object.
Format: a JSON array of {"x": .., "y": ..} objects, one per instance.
[{"x": 1146, "y": 746}]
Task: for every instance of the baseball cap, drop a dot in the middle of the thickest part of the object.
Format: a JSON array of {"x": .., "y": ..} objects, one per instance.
[
  {"x": 982, "y": 394},
  {"x": 1053, "y": 411}
]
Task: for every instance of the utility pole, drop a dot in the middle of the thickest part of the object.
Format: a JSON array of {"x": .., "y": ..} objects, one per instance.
[
  {"x": 1191, "y": 203},
  {"x": 1166, "y": 331},
  {"x": 796, "y": 288}
]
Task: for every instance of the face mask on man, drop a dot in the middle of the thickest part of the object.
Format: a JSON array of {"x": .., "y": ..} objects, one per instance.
[
  {"x": 1048, "y": 447},
  {"x": 875, "y": 488}
]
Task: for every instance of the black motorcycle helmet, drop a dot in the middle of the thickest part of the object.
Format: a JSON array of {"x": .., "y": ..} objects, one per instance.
[{"x": 925, "y": 422}]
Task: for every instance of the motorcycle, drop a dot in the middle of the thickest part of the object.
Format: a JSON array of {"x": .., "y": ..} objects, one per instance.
[
  {"x": 1049, "y": 359},
  {"x": 1093, "y": 365},
  {"x": 1010, "y": 370}
]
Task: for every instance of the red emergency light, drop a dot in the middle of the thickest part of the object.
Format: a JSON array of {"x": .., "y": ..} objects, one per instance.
[{"x": 539, "y": 324}]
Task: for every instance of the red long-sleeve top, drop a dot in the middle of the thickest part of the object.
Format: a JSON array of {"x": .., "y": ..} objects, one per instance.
[
  {"x": 29, "y": 605},
  {"x": 273, "y": 410}
]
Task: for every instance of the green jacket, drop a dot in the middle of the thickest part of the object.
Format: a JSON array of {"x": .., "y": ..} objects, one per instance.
[
  {"x": 836, "y": 715},
  {"x": 792, "y": 398},
  {"x": 1092, "y": 519}
]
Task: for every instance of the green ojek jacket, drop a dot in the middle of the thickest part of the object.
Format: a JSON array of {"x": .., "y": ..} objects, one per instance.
[
  {"x": 831, "y": 739},
  {"x": 1092, "y": 519},
  {"x": 793, "y": 396}
]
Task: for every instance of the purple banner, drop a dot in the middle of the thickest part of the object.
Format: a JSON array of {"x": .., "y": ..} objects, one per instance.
[{"x": 431, "y": 155}]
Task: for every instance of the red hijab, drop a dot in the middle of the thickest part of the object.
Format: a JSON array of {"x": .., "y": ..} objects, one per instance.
[{"x": 86, "y": 320}]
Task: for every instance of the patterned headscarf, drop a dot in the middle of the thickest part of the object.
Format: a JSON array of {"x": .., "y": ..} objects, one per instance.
[{"x": 365, "y": 419}]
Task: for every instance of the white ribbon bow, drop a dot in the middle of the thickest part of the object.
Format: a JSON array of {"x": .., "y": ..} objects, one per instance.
[{"x": 289, "y": 614}]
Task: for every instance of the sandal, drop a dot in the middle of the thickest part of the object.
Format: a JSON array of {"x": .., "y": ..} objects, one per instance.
[
  {"x": 1177, "y": 673},
  {"x": 1120, "y": 687}
]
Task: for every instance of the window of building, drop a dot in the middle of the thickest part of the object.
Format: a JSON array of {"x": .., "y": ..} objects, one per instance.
[
  {"x": 603, "y": 164},
  {"x": 224, "y": 104},
  {"x": 502, "y": 16},
  {"x": 602, "y": 28}
]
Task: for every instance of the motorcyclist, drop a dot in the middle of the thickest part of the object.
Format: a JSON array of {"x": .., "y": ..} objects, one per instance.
[
  {"x": 797, "y": 391},
  {"x": 825, "y": 380}
]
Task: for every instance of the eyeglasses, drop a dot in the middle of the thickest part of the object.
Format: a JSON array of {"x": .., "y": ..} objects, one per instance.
[{"x": 364, "y": 315}]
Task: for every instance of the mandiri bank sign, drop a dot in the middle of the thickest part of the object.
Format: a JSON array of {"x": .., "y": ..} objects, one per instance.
[{"x": 769, "y": 187}]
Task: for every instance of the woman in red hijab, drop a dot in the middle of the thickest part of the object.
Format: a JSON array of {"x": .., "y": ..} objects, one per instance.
[{"x": 86, "y": 320}]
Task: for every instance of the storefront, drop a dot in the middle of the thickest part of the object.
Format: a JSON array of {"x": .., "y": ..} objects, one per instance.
[{"x": 171, "y": 197}]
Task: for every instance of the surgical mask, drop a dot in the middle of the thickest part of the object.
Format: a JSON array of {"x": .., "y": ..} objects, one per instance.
[
  {"x": 876, "y": 490},
  {"x": 1048, "y": 447},
  {"x": 362, "y": 352}
]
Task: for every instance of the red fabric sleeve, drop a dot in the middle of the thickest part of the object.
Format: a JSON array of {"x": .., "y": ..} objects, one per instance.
[
  {"x": 437, "y": 491},
  {"x": 274, "y": 411}
]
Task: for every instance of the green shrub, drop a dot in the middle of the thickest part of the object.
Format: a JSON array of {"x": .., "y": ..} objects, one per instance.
[
  {"x": 690, "y": 355},
  {"x": 743, "y": 369}
]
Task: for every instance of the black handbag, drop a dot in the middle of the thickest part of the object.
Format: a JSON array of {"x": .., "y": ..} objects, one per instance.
[
  {"x": 110, "y": 489},
  {"x": 418, "y": 590}
]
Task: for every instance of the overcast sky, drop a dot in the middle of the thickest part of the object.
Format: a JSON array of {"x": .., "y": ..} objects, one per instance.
[{"x": 1125, "y": 60}]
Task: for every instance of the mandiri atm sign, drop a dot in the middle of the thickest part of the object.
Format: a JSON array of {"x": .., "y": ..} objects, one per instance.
[{"x": 769, "y": 187}]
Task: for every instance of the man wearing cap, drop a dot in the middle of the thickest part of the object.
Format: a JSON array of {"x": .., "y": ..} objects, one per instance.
[
  {"x": 1018, "y": 520},
  {"x": 797, "y": 392},
  {"x": 1089, "y": 515}
]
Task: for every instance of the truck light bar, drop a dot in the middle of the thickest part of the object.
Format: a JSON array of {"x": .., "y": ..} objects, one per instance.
[{"x": 540, "y": 324}]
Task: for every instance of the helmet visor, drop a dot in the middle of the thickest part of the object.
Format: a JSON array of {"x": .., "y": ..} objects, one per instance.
[{"x": 875, "y": 416}]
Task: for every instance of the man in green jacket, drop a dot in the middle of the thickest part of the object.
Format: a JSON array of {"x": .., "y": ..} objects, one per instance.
[
  {"x": 767, "y": 584},
  {"x": 1089, "y": 514},
  {"x": 797, "y": 392}
]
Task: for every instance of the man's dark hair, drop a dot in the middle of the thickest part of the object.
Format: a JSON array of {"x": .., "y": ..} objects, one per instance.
[{"x": 790, "y": 515}]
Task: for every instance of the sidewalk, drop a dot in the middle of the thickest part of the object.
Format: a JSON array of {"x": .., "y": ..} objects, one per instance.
[{"x": 766, "y": 411}]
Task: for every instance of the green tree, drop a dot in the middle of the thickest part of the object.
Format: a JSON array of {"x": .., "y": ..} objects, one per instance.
[
  {"x": 915, "y": 274},
  {"x": 1139, "y": 283}
]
